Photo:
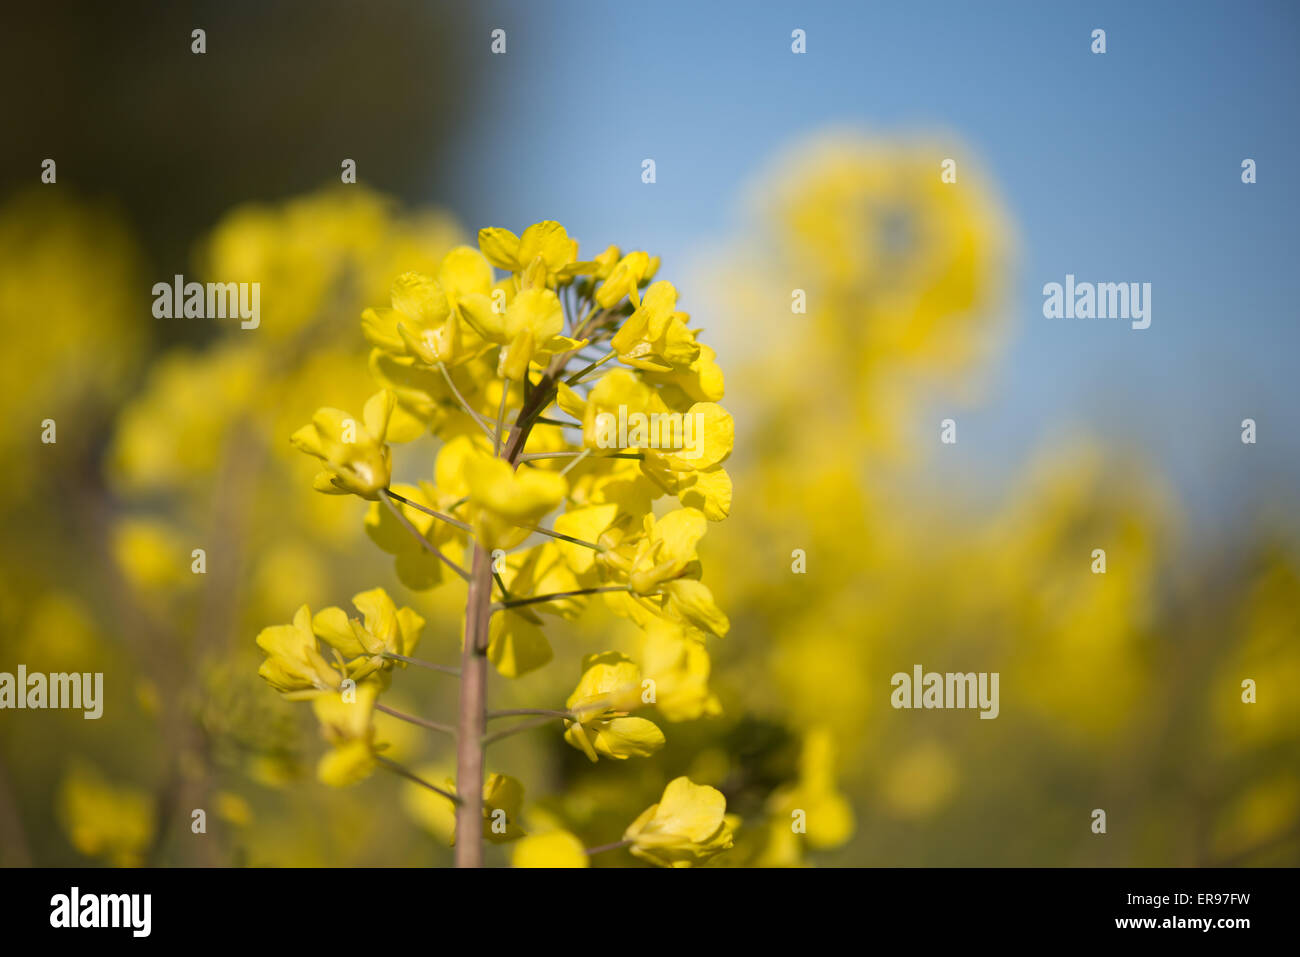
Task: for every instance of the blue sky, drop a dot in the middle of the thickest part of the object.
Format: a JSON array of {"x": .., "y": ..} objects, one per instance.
[{"x": 1118, "y": 167}]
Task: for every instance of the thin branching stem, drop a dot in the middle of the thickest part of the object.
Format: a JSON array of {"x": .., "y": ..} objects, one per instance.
[
  {"x": 536, "y": 456},
  {"x": 501, "y": 417},
  {"x": 595, "y": 706},
  {"x": 551, "y": 533},
  {"x": 421, "y": 663},
  {"x": 500, "y": 583},
  {"x": 578, "y": 458},
  {"x": 559, "y": 595},
  {"x": 602, "y": 848},
  {"x": 524, "y": 712},
  {"x": 469, "y": 409},
  {"x": 413, "y": 777},
  {"x": 415, "y": 719},
  {"x": 524, "y": 726},
  {"x": 589, "y": 367},
  {"x": 427, "y": 545},
  {"x": 441, "y": 516}
]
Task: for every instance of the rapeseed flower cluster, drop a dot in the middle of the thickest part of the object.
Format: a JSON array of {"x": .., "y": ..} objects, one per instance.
[{"x": 505, "y": 355}]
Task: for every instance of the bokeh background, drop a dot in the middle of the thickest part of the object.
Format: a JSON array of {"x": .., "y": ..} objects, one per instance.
[{"x": 774, "y": 172}]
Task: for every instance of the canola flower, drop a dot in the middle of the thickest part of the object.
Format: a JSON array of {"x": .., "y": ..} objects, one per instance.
[{"x": 507, "y": 354}]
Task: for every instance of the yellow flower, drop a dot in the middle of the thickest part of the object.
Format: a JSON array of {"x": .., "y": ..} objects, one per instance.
[
  {"x": 665, "y": 550},
  {"x": 610, "y": 687},
  {"x": 105, "y": 820},
  {"x": 425, "y": 319},
  {"x": 655, "y": 336},
  {"x": 347, "y": 723},
  {"x": 150, "y": 553},
  {"x": 546, "y": 243},
  {"x": 355, "y": 455},
  {"x": 688, "y": 826},
  {"x": 827, "y": 814},
  {"x": 385, "y": 630},
  {"x": 679, "y": 668},
  {"x": 294, "y": 665},
  {"x": 682, "y": 450},
  {"x": 552, "y": 849},
  {"x": 701, "y": 381},
  {"x": 529, "y": 328},
  {"x": 624, "y": 278},
  {"x": 661, "y": 569},
  {"x": 504, "y": 500},
  {"x": 503, "y": 800}
]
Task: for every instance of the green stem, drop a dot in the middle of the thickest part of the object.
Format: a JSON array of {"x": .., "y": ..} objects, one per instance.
[
  {"x": 478, "y": 419},
  {"x": 577, "y": 376},
  {"x": 424, "y": 542},
  {"x": 501, "y": 416},
  {"x": 536, "y": 456},
  {"x": 551, "y": 533},
  {"x": 556, "y": 596},
  {"x": 601, "y": 848},
  {"x": 442, "y": 516},
  {"x": 421, "y": 663}
]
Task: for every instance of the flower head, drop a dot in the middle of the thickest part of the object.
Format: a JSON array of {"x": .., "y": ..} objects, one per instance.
[
  {"x": 294, "y": 665},
  {"x": 383, "y": 629},
  {"x": 355, "y": 455},
  {"x": 688, "y": 826},
  {"x": 610, "y": 687}
]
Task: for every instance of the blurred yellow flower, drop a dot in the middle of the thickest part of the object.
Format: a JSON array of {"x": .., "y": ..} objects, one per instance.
[
  {"x": 104, "y": 820},
  {"x": 552, "y": 849},
  {"x": 688, "y": 826},
  {"x": 827, "y": 816},
  {"x": 347, "y": 724}
]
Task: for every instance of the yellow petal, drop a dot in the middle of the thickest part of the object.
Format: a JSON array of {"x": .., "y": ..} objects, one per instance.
[
  {"x": 421, "y": 298},
  {"x": 500, "y": 246},
  {"x": 331, "y": 625},
  {"x": 346, "y": 765},
  {"x": 548, "y": 240},
  {"x": 516, "y": 646},
  {"x": 693, "y": 602},
  {"x": 678, "y": 533},
  {"x": 465, "y": 270},
  {"x": 710, "y": 493},
  {"x": 377, "y": 412},
  {"x": 629, "y": 737},
  {"x": 586, "y": 523},
  {"x": 552, "y": 849},
  {"x": 714, "y": 437}
]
